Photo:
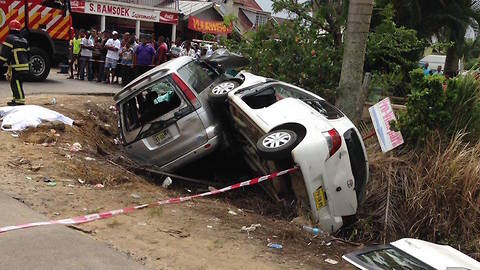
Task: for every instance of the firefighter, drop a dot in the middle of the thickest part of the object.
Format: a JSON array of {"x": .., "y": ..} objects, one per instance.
[{"x": 15, "y": 53}]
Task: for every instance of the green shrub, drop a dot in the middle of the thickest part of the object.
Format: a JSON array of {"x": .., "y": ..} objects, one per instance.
[{"x": 432, "y": 108}]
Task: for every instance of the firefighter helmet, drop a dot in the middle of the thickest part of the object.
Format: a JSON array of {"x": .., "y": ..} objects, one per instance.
[{"x": 14, "y": 25}]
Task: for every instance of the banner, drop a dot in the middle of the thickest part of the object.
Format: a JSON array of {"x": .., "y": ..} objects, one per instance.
[
  {"x": 382, "y": 114},
  {"x": 121, "y": 11},
  {"x": 211, "y": 27}
]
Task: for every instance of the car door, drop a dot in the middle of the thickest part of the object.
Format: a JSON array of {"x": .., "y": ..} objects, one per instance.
[{"x": 160, "y": 123}]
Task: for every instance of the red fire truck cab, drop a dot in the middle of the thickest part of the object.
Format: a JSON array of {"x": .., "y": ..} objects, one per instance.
[{"x": 46, "y": 26}]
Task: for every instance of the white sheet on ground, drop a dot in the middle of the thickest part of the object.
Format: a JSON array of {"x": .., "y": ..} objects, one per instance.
[{"x": 19, "y": 118}]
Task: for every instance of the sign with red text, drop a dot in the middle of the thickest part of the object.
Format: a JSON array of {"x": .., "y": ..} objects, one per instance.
[
  {"x": 205, "y": 26},
  {"x": 382, "y": 114},
  {"x": 124, "y": 11}
]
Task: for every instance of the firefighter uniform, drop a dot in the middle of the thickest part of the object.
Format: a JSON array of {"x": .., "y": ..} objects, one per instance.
[{"x": 16, "y": 53}]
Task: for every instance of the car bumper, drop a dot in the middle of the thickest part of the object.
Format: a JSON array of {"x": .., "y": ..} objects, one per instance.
[
  {"x": 328, "y": 183},
  {"x": 193, "y": 155}
]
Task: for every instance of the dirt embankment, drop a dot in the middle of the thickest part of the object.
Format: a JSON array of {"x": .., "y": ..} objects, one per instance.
[{"x": 201, "y": 234}]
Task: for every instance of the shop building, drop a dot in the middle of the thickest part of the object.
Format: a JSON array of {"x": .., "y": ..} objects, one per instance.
[{"x": 155, "y": 17}]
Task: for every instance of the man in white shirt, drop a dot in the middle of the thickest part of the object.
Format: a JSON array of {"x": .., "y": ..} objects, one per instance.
[
  {"x": 188, "y": 50},
  {"x": 85, "y": 55},
  {"x": 113, "y": 46}
]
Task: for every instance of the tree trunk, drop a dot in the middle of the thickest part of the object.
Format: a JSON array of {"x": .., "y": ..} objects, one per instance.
[
  {"x": 350, "y": 95},
  {"x": 454, "y": 53}
]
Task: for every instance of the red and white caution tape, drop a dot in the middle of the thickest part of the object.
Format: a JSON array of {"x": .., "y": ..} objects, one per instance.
[{"x": 126, "y": 210}]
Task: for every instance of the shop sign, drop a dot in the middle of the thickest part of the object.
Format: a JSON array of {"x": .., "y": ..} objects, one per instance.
[
  {"x": 205, "y": 26},
  {"x": 121, "y": 11},
  {"x": 382, "y": 114}
]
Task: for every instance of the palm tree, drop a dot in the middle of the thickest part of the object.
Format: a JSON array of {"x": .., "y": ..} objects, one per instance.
[
  {"x": 351, "y": 95},
  {"x": 445, "y": 19}
]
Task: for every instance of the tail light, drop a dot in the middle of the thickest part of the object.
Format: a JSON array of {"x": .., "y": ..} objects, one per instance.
[
  {"x": 186, "y": 90},
  {"x": 334, "y": 140}
]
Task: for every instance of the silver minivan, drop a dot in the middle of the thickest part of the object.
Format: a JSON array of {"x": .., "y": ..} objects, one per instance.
[{"x": 164, "y": 115}]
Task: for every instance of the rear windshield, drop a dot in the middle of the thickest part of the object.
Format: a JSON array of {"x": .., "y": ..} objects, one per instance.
[
  {"x": 275, "y": 92},
  {"x": 198, "y": 75}
]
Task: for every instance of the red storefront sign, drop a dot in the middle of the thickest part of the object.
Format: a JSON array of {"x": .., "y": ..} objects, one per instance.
[
  {"x": 168, "y": 17},
  {"x": 205, "y": 26},
  {"x": 121, "y": 11}
]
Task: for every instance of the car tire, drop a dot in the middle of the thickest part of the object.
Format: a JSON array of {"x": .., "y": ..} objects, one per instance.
[
  {"x": 39, "y": 65},
  {"x": 219, "y": 93},
  {"x": 277, "y": 144}
]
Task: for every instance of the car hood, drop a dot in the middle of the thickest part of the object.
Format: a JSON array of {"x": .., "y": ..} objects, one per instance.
[{"x": 223, "y": 60}]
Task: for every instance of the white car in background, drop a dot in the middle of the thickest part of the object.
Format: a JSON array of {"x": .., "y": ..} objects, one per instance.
[{"x": 412, "y": 254}]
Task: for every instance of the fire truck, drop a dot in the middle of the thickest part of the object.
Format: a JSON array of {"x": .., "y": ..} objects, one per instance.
[{"x": 46, "y": 26}]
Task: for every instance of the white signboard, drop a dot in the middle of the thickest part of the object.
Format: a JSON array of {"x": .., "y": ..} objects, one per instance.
[
  {"x": 381, "y": 114},
  {"x": 122, "y": 11}
]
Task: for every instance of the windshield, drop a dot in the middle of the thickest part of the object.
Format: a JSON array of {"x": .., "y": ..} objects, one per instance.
[
  {"x": 393, "y": 259},
  {"x": 155, "y": 102}
]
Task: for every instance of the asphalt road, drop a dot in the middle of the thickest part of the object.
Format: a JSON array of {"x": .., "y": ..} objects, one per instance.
[
  {"x": 58, "y": 83},
  {"x": 54, "y": 247}
]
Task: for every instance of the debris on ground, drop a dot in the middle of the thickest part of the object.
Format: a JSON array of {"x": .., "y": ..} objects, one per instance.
[
  {"x": 47, "y": 179},
  {"x": 76, "y": 147},
  {"x": 250, "y": 228},
  {"x": 81, "y": 181},
  {"x": 89, "y": 159},
  {"x": 274, "y": 246},
  {"x": 99, "y": 186},
  {"x": 167, "y": 182},
  {"x": 135, "y": 196},
  {"x": 233, "y": 213},
  {"x": 331, "y": 261}
]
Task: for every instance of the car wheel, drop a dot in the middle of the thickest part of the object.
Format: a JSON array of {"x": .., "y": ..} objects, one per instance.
[
  {"x": 277, "y": 144},
  {"x": 219, "y": 93},
  {"x": 39, "y": 65}
]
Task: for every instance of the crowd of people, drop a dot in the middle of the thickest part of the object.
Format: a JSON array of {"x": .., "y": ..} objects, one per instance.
[{"x": 110, "y": 58}]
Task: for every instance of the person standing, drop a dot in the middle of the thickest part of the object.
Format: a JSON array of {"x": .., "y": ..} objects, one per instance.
[
  {"x": 75, "y": 45},
  {"x": 85, "y": 54},
  {"x": 144, "y": 56},
  {"x": 15, "y": 54},
  {"x": 162, "y": 51},
  {"x": 188, "y": 50},
  {"x": 438, "y": 71},
  {"x": 426, "y": 69},
  {"x": 126, "y": 62},
  {"x": 113, "y": 47}
]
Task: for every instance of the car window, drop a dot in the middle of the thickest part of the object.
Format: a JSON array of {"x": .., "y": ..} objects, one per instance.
[
  {"x": 157, "y": 100},
  {"x": 276, "y": 92},
  {"x": 393, "y": 259},
  {"x": 198, "y": 75}
]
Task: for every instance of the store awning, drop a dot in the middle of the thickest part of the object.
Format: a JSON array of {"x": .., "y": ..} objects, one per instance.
[{"x": 192, "y": 8}]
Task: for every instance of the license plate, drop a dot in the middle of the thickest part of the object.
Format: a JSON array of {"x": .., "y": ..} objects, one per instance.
[
  {"x": 161, "y": 136},
  {"x": 319, "y": 196}
]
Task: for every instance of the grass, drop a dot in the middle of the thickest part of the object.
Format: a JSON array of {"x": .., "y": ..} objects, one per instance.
[{"x": 432, "y": 194}]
